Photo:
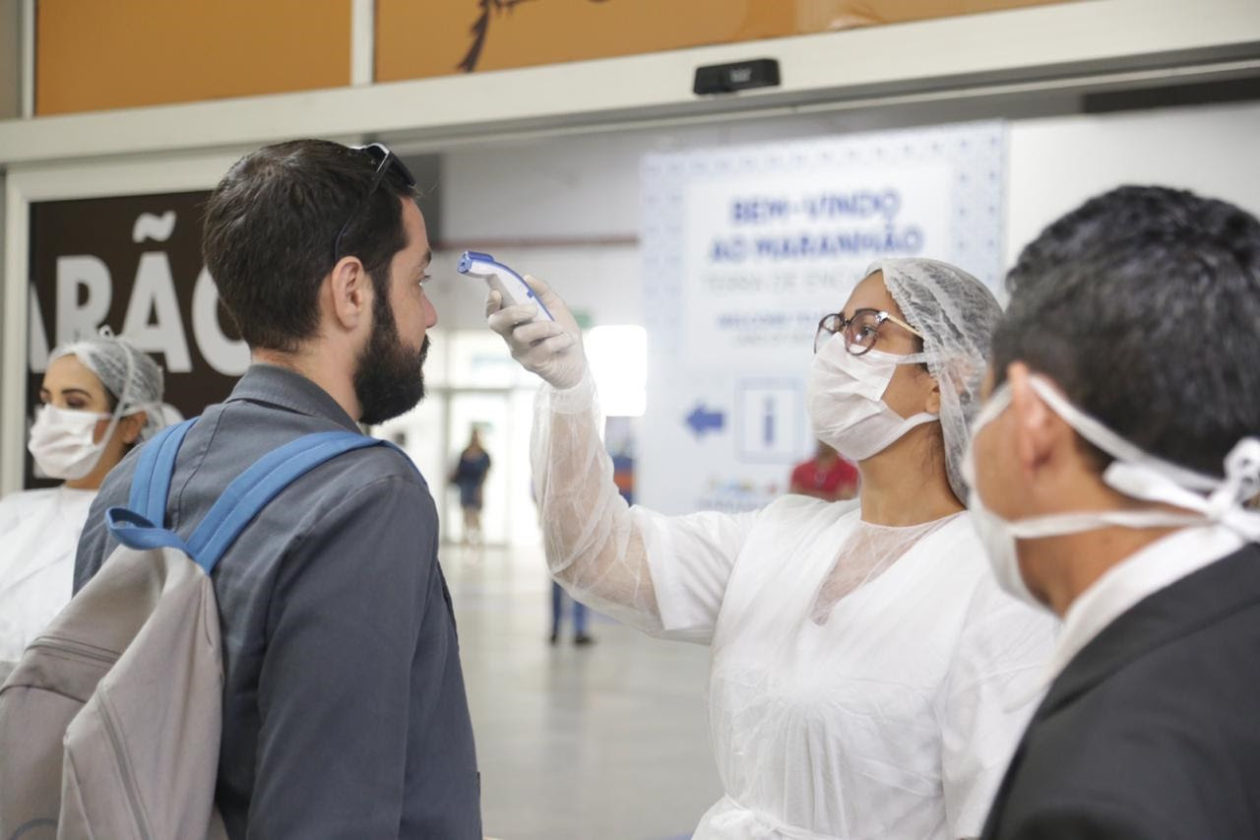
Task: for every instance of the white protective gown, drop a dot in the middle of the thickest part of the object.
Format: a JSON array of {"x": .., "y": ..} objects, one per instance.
[
  {"x": 39, "y": 534},
  {"x": 868, "y": 683}
]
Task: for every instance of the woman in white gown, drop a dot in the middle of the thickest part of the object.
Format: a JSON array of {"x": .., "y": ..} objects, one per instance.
[
  {"x": 869, "y": 679},
  {"x": 98, "y": 398}
]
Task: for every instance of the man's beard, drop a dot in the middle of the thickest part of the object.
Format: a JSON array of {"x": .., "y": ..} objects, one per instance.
[{"x": 389, "y": 377}]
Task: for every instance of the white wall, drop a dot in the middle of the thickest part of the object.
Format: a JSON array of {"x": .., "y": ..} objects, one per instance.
[
  {"x": 587, "y": 187},
  {"x": 10, "y": 59},
  {"x": 1056, "y": 164},
  {"x": 586, "y": 190},
  {"x": 602, "y": 281}
]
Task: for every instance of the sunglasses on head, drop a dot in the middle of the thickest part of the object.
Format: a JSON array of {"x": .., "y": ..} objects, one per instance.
[{"x": 386, "y": 162}]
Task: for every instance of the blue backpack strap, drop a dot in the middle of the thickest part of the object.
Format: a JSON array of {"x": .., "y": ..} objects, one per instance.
[
  {"x": 135, "y": 531},
  {"x": 139, "y": 525},
  {"x": 250, "y": 492},
  {"x": 151, "y": 482}
]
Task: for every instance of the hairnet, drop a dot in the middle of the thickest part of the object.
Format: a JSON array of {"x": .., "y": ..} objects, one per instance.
[
  {"x": 956, "y": 314},
  {"x": 131, "y": 376}
]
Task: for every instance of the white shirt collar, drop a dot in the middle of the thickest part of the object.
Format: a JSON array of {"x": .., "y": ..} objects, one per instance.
[
  {"x": 1120, "y": 588},
  {"x": 1158, "y": 565}
]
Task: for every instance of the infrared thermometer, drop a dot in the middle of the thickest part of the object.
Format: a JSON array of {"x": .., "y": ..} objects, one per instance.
[{"x": 510, "y": 285}]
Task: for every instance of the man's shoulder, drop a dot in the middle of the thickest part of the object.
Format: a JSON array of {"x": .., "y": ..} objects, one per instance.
[
  {"x": 207, "y": 465},
  {"x": 1164, "y": 797},
  {"x": 376, "y": 480},
  {"x": 1214, "y": 671},
  {"x": 1125, "y": 776},
  {"x": 1085, "y": 813},
  {"x": 353, "y": 480},
  {"x": 117, "y": 484},
  {"x": 232, "y": 437},
  {"x": 374, "y": 463},
  {"x": 1203, "y": 641},
  {"x": 1161, "y": 738}
]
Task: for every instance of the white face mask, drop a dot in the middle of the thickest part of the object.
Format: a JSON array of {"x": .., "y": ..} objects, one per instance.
[
  {"x": 1134, "y": 473},
  {"x": 62, "y": 441},
  {"x": 845, "y": 400}
]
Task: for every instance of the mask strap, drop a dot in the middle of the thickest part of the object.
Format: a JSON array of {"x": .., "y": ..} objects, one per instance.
[
  {"x": 1242, "y": 483},
  {"x": 1114, "y": 445},
  {"x": 1058, "y": 524},
  {"x": 918, "y": 420},
  {"x": 1242, "y": 473},
  {"x": 895, "y": 358},
  {"x": 1224, "y": 505},
  {"x": 899, "y": 431},
  {"x": 1143, "y": 476}
]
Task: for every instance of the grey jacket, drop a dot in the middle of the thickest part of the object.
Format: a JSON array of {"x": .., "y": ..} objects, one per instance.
[{"x": 344, "y": 713}]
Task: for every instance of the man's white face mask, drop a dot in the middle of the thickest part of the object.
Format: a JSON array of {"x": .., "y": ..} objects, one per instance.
[
  {"x": 62, "y": 441},
  {"x": 845, "y": 400},
  {"x": 1134, "y": 473}
]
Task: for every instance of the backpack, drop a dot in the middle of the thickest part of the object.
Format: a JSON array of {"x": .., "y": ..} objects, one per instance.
[{"x": 110, "y": 721}]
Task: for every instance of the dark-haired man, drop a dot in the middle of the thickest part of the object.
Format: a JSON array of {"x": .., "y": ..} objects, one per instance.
[
  {"x": 344, "y": 712},
  {"x": 1112, "y": 465}
]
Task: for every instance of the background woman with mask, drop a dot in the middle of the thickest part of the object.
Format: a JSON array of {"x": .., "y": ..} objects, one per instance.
[
  {"x": 869, "y": 679},
  {"x": 100, "y": 396}
]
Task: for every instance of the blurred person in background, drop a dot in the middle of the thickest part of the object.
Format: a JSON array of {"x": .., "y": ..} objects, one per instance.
[
  {"x": 1112, "y": 463},
  {"x": 99, "y": 398},
  {"x": 470, "y": 477},
  {"x": 580, "y": 617},
  {"x": 559, "y": 599},
  {"x": 868, "y": 678},
  {"x": 826, "y": 476}
]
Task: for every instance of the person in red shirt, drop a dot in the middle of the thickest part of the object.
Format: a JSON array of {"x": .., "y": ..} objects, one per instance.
[{"x": 826, "y": 476}]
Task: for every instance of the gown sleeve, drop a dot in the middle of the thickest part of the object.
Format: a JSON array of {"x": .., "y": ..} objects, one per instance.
[
  {"x": 993, "y": 688},
  {"x": 665, "y": 575},
  {"x": 10, "y": 513}
]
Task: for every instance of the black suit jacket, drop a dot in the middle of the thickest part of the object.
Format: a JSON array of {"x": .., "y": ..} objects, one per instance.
[{"x": 1152, "y": 732}]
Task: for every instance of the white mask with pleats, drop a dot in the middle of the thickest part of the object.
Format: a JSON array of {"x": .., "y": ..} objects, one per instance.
[
  {"x": 846, "y": 404},
  {"x": 1134, "y": 472},
  {"x": 63, "y": 441}
]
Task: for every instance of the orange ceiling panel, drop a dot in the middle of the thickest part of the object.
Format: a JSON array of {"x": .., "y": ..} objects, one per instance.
[
  {"x": 422, "y": 38},
  {"x": 94, "y": 55}
]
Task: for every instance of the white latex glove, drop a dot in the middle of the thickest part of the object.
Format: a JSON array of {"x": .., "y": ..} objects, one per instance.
[{"x": 551, "y": 349}]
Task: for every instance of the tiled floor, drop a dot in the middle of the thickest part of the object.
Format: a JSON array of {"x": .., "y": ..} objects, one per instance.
[{"x": 607, "y": 742}]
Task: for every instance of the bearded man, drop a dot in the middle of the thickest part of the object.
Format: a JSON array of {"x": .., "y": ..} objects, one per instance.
[{"x": 344, "y": 710}]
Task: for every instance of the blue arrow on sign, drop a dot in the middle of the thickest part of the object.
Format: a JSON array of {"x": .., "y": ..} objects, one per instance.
[{"x": 702, "y": 421}]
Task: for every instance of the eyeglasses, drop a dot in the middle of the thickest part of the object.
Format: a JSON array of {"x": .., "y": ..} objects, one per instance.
[
  {"x": 860, "y": 331},
  {"x": 386, "y": 162}
]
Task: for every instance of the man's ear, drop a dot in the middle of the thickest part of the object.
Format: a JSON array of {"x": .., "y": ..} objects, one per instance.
[
  {"x": 348, "y": 293},
  {"x": 1042, "y": 438}
]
